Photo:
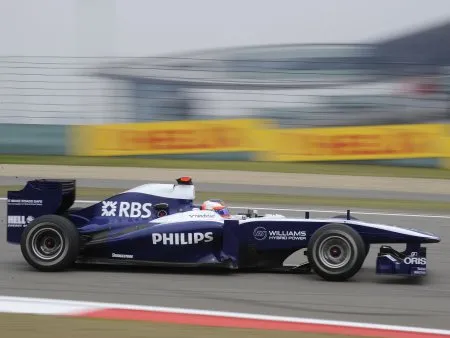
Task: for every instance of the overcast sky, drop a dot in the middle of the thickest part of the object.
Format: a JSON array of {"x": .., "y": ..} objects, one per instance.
[{"x": 150, "y": 27}]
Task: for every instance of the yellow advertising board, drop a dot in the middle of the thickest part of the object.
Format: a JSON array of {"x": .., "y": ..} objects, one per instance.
[
  {"x": 358, "y": 143},
  {"x": 179, "y": 137},
  {"x": 445, "y": 160}
]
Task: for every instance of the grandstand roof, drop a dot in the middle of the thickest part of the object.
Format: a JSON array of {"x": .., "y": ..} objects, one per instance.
[{"x": 280, "y": 66}]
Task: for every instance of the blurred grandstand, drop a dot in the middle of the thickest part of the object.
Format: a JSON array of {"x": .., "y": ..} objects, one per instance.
[{"x": 400, "y": 80}]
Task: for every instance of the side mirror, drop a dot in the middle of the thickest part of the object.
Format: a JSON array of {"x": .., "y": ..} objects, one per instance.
[{"x": 252, "y": 213}]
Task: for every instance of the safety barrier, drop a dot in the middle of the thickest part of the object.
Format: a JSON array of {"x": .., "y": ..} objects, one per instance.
[
  {"x": 237, "y": 139},
  {"x": 408, "y": 144},
  {"x": 33, "y": 139},
  {"x": 162, "y": 138},
  {"x": 445, "y": 160},
  {"x": 358, "y": 143}
]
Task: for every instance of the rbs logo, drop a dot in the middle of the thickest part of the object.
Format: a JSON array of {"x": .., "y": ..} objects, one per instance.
[{"x": 126, "y": 209}]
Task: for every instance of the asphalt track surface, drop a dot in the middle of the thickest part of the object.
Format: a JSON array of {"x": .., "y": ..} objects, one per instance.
[
  {"x": 367, "y": 297},
  {"x": 248, "y": 188}
]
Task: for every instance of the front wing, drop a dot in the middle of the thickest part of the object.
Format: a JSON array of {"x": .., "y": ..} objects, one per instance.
[{"x": 411, "y": 262}]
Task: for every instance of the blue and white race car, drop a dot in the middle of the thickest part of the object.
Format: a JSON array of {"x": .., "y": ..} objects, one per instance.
[{"x": 160, "y": 225}]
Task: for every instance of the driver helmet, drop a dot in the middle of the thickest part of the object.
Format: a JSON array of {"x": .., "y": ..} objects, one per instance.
[{"x": 218, "y": 206}]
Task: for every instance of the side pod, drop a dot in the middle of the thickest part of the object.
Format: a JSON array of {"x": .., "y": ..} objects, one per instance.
[{"x": 231, "y": 243}]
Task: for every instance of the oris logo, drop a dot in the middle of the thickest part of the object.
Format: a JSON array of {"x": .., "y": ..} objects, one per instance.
[
  {"x": 415, "y": 260},
  {"x": 260, "y": 233}
]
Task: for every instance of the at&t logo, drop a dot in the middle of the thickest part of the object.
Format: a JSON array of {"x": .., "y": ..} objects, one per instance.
[{"x": 260, "y": 233}]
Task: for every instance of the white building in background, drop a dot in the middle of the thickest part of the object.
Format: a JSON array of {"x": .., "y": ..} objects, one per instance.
[
  {"x": 72, "y": 82},
  {"x": 297, "y": 84},
  {"x": 312, "y": 84}
]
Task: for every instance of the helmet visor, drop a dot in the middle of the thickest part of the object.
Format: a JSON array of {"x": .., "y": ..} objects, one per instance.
[{"x": 224, "y": 212}]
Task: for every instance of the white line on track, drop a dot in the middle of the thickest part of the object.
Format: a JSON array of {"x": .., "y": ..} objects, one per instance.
[
  {"x": 310, "y": 210},
  {"x": 62, "y": 306}
]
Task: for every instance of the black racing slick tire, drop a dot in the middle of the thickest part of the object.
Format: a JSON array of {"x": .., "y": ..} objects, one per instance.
[
  {"x": 367, "y": 245},
  {"x": 345, "y": 217},
  {"x": 50, "y": 243},
  {"x": 336, "y": 252}
]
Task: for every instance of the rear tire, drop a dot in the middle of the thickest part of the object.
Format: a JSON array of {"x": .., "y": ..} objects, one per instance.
[
  {"x": 50, "y": 243},
  {"x": 336, "y": 252}
]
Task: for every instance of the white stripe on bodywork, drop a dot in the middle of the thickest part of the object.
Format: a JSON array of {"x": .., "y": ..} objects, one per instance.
[
  {"x": 165, "y": 190},
  {"x": 373, "y": 225},
  {"x": 391, "y": 258},
  {"x": 190, "y": 216},
  {"x": 211, "y": 216},
  {"x": 385, "y": 227},
  {"x": 360, "y": 212}
]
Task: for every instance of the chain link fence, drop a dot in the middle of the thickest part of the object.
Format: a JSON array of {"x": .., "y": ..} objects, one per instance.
[{"x": 295, "y": 92}]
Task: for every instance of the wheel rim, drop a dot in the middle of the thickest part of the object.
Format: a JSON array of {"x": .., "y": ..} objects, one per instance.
[
  {"x": 335, "y": 252},
  {"x": 47, "y": 244}
]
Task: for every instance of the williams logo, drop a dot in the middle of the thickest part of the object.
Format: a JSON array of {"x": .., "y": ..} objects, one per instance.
[
  {"x": 287, "y": 235},
  {"x": 182, "y": 238},
  {"x": 260, "y": 233},
  {"x": 126, "y": 209}
]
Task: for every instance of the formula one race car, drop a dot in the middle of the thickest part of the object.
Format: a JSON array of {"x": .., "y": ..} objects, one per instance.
[{"x": 159, "y": 224}]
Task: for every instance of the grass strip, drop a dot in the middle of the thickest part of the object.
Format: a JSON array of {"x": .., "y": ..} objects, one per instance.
[
  {"x": 39, "y": 326},
  {"x": 274, "y": 199},
  {"x": 303, "y": 168}
]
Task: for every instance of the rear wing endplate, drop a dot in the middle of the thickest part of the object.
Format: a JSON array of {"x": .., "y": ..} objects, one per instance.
[{"x": 38, "y": 197}]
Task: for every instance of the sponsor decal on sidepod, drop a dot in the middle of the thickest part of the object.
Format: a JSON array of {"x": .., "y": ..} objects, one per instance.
[
  {"x": 182, "y": 238},
  {"x": 115, "y": 255},
  {"x": 37, "y": 203},
  {"x": 261, "y": 233},
  {"x": 19, "y": 221},
  {"x": 126, "y": 209},
  {"x": 210, "y": 215}
]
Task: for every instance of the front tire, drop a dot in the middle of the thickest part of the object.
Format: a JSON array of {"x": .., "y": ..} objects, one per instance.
[
  {"x": 50, "y": 243},
  {"x": 336, "y": 252},
  {"x": 367, "y": 245}
]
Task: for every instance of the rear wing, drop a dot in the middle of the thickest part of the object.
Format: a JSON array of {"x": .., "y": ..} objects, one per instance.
[{"x": 38, "y": 197}]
